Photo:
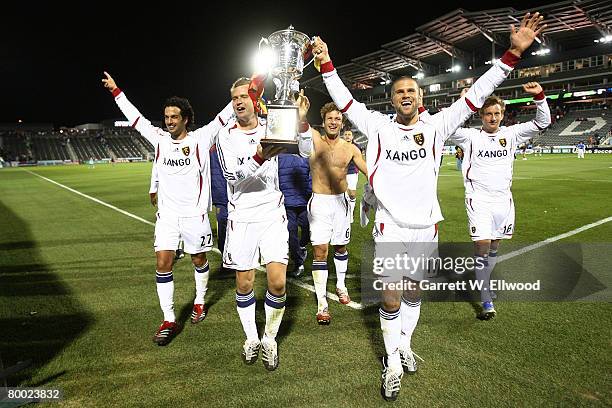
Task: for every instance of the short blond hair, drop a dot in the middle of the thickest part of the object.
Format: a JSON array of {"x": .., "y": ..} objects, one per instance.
[
  {"x": 240, "y": 82},
  {"x": 490, "y": 101}
]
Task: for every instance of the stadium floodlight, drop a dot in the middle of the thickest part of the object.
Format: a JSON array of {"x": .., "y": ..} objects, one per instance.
[
  {"x": 493, "y": 61},
  {"x": 541, "y": 51},
  {"x": 454, "y": 68},
  {"x": 604, "y": 40},
  {"x": 263, "y": 59},
  {"x": 419, "y": 75}
]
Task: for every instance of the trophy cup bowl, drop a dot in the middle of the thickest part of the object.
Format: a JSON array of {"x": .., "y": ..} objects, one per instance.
[{"x": 288, "y": 49}]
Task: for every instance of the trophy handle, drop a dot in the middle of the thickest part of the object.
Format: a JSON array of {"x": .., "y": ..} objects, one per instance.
[
  {"x": 312, "y": 58},
  {"x": 263, "y": 41}
]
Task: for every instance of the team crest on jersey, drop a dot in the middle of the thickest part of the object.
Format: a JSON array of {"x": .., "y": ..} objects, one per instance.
[
  {"x": 473, "y": 230},
  {"x": 502, "y": 142},
  {"x": 419, "y": 139},
  {"x": 185, "y": 150},
  {"x": 252, "y": 141}
]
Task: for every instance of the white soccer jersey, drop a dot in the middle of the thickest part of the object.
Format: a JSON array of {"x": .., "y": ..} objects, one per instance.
[
  {"x": 252, "y": 187},
  {"x": 403, "y": 161},
  {"x": 489, "y": 158},
  {"x": 182, "y": 165}
]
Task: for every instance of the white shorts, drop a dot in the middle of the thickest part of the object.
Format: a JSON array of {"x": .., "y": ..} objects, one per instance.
[
  {"x": 245, "y": 242},
  {"x": 416, "y": 245},
  {"x": 490, "y": 220},
  {"x": 194, "y": 231},
  {"x": 329, "y": 218},
  {"x": 352, "y": 180}
]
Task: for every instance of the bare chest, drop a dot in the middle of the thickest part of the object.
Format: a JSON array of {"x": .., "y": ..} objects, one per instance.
[{"x": 327, "y": 155}]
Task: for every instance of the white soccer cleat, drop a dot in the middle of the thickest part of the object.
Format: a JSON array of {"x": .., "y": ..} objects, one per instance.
[
  {"x": 391, "y": 382},
  {"x": 250, "y": 351},
  {"x": 343, "y": 296},
  {"x": 409, "y": 363},
  {"x": 269, "y": 353}
]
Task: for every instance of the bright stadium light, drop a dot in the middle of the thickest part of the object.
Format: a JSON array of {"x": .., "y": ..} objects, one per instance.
[
  {"x": 604, "y": 40},
  {"x": 490, "y": 62},
  {"x": 454, "y": 68},
  {"x": 419, "y": 75},
  {"x": 541, "y": 51},
  {"x": 263, "y": 59}
]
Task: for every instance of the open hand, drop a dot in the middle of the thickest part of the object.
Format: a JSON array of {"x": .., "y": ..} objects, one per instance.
[
  {"x": 523, "y": 37},
  {"x": 303, "y": 105}
]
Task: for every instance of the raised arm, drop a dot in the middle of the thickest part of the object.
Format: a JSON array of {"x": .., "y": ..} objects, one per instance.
[
  {"x": 139, "y": 122},
  {"x": 520, "y": 40},
  {"x": 207, "y": 134},
  {"x": 525, "y": 131},
  {"x": 365, "y": 120}
]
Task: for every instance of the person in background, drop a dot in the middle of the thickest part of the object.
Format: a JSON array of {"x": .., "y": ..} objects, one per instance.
[{"x": 296, "y": 185}]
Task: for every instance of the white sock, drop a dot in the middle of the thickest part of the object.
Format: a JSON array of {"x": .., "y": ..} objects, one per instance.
[
  {"x": 245, "y": 304},
  {"x": 352, "y": 202},
  {"x": 410, "y": 312},
  {"x": 165, "y": 292},
  {"x": 319, "y": 276},
  {"x": 483, "y": 274},
  {"x": 341, "y": 263},
  {"x": 275, "y": 308},
  {"x": 391, "y": 325},
  {"x": 201, "y": 282}
]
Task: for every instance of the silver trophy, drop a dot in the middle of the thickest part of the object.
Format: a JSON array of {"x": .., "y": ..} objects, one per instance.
[{"x": 288, "y": 48}]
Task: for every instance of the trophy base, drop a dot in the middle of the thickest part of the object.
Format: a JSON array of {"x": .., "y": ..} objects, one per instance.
[{"x": 290, "y": 147}]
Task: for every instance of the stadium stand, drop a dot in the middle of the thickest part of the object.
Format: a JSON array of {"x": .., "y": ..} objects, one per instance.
[{"x": 573, "y": 63}]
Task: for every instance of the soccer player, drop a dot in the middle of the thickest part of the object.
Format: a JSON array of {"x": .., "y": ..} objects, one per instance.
[
  {"x": 580, "y": 148},
  {"x": 182, "y": 163},
  {"x": 402, "y": 159},
  {"x": 257, "y": 223},
  {"x": 487, "y": 176},
  {"x": 352, "y": 174},
  {"x": 329, "y": 210}
]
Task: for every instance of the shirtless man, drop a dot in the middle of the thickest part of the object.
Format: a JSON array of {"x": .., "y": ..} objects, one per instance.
[{"x": 329, "y": 209}]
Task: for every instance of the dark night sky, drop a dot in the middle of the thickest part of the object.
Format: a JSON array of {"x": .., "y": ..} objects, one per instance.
[{"x": 52, "y": 55}]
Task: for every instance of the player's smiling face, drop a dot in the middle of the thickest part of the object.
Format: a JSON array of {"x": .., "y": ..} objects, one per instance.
[
  {"x": 332, "y": 123},
  {"x": 405, "y": 96},
  {"x": 492, "y": 118},
  {"x": 242, "y": 103},
  {"x": 174, "y": 121}
]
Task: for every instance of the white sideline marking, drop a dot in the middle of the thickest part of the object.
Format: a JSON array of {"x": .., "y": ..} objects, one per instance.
[
  {"x": 112, "y": 207},
  {"x": 540, "y": 244},
  {"x": 330, "y": 295},
  {"x": 302, "y": 285}
]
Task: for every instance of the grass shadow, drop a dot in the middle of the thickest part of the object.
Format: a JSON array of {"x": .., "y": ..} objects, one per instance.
[{"x": 40, "y": 317}]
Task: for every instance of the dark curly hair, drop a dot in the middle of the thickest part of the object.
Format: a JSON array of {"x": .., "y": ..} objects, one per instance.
[{"x": 185, "y": 108}]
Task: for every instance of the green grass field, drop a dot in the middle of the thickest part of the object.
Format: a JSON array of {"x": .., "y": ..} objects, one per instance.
[{"x": 77, "y": 295}]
